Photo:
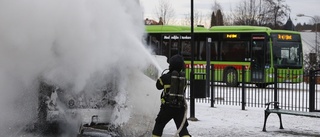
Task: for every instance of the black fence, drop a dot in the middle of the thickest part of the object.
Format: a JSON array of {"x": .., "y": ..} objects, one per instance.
[{"x": 292, "y": 95}]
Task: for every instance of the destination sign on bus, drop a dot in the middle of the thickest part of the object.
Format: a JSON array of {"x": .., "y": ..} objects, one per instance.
[
  {"x": 231, "y": 36},
  {"x": 175, "y": 37},
  {"x": 284, "y": 37},
  {"x": 258, "y": 37}
]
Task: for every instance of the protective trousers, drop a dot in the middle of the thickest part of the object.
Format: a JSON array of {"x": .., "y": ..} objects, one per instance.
[{"x": 165, "y": 115}]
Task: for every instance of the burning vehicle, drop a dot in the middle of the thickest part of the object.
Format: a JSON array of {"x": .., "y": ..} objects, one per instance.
[
  {"x": 91, "y": 110},
  {"x": 57, "y": 106}
]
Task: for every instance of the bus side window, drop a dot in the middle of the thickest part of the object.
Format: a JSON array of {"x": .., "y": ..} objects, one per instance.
[
  {"x": 214, "y": 50},
  {"x": 224, "y": 51},
  {"x": 241, "y": 52},
  {"x": 165, "y": 48},
  {"x": 268, "y": 56},
  {"x": 174, "y": 48},
  {"x": 202, "y": 51},
  {"x": 233, "y": 51},
  {"x": 155, "y": 46},
  {"x": 277, "y": 57},
  {"x": 186, "y": 49}
]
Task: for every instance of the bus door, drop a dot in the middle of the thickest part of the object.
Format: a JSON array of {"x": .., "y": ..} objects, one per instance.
[
  {"x": 171, "y": 44},
  {"x": 257, "y": 58}
]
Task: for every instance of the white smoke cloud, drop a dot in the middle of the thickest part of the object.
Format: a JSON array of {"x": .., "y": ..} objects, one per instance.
[{"x": 67, "y": 43}]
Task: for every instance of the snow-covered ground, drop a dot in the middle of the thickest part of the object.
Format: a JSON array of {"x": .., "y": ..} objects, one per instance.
[{"x": 222, "y": 121}]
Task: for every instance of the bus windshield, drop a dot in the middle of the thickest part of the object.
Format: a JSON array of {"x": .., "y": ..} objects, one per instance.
[{"x": 287, "y": 54}]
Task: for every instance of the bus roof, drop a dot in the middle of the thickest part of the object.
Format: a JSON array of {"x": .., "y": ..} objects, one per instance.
[
  {"x": 173, "y": 29},
  {"x": 239, "y": 29},
  {"x": 214, "y": 29},
  {"x": 285, "y": 31}
]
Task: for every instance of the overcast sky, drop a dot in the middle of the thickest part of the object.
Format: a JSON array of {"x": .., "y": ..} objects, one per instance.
[{"x": 182, "y": 7}]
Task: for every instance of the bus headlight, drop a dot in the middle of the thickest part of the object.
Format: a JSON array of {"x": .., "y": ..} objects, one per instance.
[
  {"x": 299, "y": 76},
  {"x": 271, "y": 75}
]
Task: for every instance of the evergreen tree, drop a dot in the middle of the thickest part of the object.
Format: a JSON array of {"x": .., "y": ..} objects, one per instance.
[
  {"x": 299, "y": 27},
  {"x": 219, "y": 18},
  {"x": 213, "y": 20}
]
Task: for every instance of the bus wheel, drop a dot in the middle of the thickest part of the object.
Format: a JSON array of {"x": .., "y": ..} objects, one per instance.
[
  {"x": 231, "y": 77},
  {"x": 261, "y": 85}
]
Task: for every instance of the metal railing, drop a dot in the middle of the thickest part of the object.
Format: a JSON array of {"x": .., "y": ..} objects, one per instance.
[{"x": 297, "y": 96}]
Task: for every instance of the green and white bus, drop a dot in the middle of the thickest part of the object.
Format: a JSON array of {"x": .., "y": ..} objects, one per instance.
[{"x": 259, "y": 49}]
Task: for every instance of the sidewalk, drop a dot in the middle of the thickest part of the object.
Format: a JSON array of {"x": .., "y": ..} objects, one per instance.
[{"x": 227, "y": 121}]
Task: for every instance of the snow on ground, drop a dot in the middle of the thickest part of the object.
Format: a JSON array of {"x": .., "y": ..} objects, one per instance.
[{"x": 222, "y": 121}]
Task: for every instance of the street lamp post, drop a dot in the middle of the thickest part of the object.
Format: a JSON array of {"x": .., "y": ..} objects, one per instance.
[
  {"x": 316, "y": 31},
  {"x": 192, "y": 99}
]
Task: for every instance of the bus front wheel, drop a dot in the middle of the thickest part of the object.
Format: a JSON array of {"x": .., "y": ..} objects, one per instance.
[{"x": 231, "y": 77}]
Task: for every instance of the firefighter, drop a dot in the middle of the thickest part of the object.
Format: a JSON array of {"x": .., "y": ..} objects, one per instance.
[{"x": 169, "y": 110}]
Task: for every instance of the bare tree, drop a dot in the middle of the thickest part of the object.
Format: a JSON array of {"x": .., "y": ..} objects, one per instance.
[
  {"x": 246, "y": 13},
  {"x": 216, "y": 6},
  {"x": 197, "y": 19},
  {"x": 316, "y": 21},
  {"x": 228, "y": 19},
  {"x": 165, "y": 11},
  {"x": 278, "y": 10},
  {"x": 263, "y": 13}
]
